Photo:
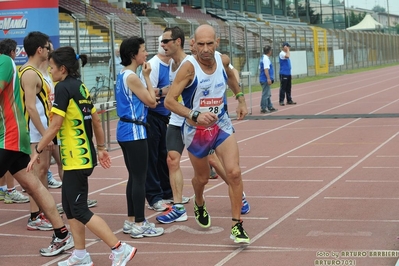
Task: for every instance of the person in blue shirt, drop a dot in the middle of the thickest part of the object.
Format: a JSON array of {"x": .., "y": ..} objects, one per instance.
[
  {"x": 157, "y": 184},
  {"x": 266, "y": 78},
  {"x": 134, "y": 96},
  {"x": 285, "y": 74}
]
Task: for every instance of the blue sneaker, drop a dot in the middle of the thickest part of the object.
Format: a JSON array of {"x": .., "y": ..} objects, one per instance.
[
  {"x": 245, "y": 208},
  {"x": 174, "y": 215}
]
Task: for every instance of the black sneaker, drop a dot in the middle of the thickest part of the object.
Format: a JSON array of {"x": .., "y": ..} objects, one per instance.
[
  {"x": 282, "y": 104},
  {"x": 291, "y": 102},
  {"x": 264, "y": 111},
  {"x": 272, "y": 109},
  {"x": 201, "y": 215},
  {"x": 238, "y": 234}
]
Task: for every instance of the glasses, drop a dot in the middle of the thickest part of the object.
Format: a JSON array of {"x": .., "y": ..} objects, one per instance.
[
  {"x": 165, "y": 41},
  {"x": 47, "y": 47}
]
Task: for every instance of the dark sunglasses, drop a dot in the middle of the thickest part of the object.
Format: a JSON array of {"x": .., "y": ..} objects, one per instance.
[
  {"x": 165, "y": 41},
  {"x": 47, "y": 47}
]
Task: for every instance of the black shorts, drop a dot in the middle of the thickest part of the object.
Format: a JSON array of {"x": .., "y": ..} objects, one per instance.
[
  {"x": 174, "y": 139},
  {"x": 13, "y": 161},
  {"x": 75, "y": 189}
]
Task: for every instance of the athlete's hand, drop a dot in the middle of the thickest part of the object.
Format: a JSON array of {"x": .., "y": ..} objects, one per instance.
[
  {"x": 104, "y": 159},
  {"x": 207, "y": 119},
  {"x": 50, "y": 146},
  {"x": 34, "y": 157},
  {"x": 146, "y": 68},
  {"x": 241, "y": 110}
]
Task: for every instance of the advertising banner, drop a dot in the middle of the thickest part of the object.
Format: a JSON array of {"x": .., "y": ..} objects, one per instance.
[{"x": 19, "y": 17}]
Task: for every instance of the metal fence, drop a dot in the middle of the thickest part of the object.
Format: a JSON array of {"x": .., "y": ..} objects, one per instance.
[{"x": 327, "y": 50}]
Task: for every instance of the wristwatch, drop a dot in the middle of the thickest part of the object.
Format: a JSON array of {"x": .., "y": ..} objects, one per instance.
[
  {"x": 160, "y": 93},
  {"x": 195, "y": 116}
]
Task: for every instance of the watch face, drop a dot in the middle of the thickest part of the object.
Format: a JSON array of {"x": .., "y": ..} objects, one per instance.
[{"x": 195, "y": 116}]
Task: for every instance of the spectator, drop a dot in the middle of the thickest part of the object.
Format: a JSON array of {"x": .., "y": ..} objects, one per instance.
[
  {"x": 266, "y": 79},
  {"x": 285, "y": 74}
]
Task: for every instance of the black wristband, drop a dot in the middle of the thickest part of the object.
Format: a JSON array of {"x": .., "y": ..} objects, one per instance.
[
  {"x": 160, "y": 93},
  {"x": 38, "y": 150},
  {"x": 195, "y": 116}
]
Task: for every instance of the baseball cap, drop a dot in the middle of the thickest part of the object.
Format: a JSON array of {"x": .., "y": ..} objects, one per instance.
[{"x": 286, "y": 44}]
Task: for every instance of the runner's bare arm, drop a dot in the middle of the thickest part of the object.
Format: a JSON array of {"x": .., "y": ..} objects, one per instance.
[
  {"x": 184, "y": 77},
  {"x": 103, "y": 156},
  {"x": 31, "y": 83},
  {"x": 241, "y": 110}
]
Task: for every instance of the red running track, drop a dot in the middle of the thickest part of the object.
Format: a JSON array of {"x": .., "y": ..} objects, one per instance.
[{"x": 321, "y": 190}]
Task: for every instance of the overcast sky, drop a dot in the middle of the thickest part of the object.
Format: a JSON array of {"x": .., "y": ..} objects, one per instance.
[{"x": 369, "y": 4}]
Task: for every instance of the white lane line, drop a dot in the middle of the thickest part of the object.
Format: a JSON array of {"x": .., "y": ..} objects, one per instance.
[
  {"x": 257, "y": 197},
  {"x": 347, "y": 220},
  {"x": 304, "y": 167},
  {"x": 356, "y": 234},
  {"x": 360, "y": 98},
  {"x": 380, "y": 167},
  {"x": 189, "y": 216},
  {"x": 322, "y": 156},
  {"x": 372, "y": 181},
  {"x": 216, "y": 196},
  {"x": 317, "y": 193},
  {"x": 359, "y": 198}
]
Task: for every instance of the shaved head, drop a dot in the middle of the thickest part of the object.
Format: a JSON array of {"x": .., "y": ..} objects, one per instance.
[
  {"x": 206, "y": 30},
  {"x": 205, "y": 44}
]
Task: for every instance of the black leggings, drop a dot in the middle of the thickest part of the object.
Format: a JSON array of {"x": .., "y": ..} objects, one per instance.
[
  {"x": 135, "y": 154},
  {"x": 75, "y": 188}
]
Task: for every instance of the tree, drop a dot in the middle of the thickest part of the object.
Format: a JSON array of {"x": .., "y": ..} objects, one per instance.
[
  {"x": 379, "y": 9},
  {"x": 355, "y": 19},
  {"x": 313, "y": 18},
  {"x": 334, "y": 3}
]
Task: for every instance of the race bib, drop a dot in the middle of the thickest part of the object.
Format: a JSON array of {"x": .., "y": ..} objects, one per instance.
[{"x": 213, "y": 105}]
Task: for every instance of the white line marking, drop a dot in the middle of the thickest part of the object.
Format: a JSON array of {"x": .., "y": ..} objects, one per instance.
[
  {"x": 347, "y": 220},
  {"x": 304, "y": 167},
  {"x": 282, "y": 180},
  {"x": 324, "y": 156},
  {"x": 317, "y": 193},
  {"x": 191, "y": 217},
  {"x": 380, "y": 167},
  {"x": 321, "y": 233},
  {"x": 360, "y": 98},
  {"x": 372, "y": 181},
  {"x": 185, "y": 228},
  {"x": 216, "y": 196},
  {"x": 359, "y": 198},
  {"x": 257, "y": 197}
]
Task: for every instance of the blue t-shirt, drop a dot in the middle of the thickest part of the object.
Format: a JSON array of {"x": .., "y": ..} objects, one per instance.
[
  {"x": 285, "y": 64},
  {"x": 265, "y": 63},
  {"x": 159, "y": 78},
  {"x": 129, "y": 107}
]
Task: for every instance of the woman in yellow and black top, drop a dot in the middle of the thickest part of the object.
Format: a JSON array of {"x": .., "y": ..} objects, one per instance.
[{"x": 75, "y": 118}]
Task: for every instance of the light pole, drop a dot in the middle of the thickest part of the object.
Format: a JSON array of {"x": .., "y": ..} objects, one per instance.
[
  {"x": 389, "y": 20},
  {"x": 348, "y": 14}
]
